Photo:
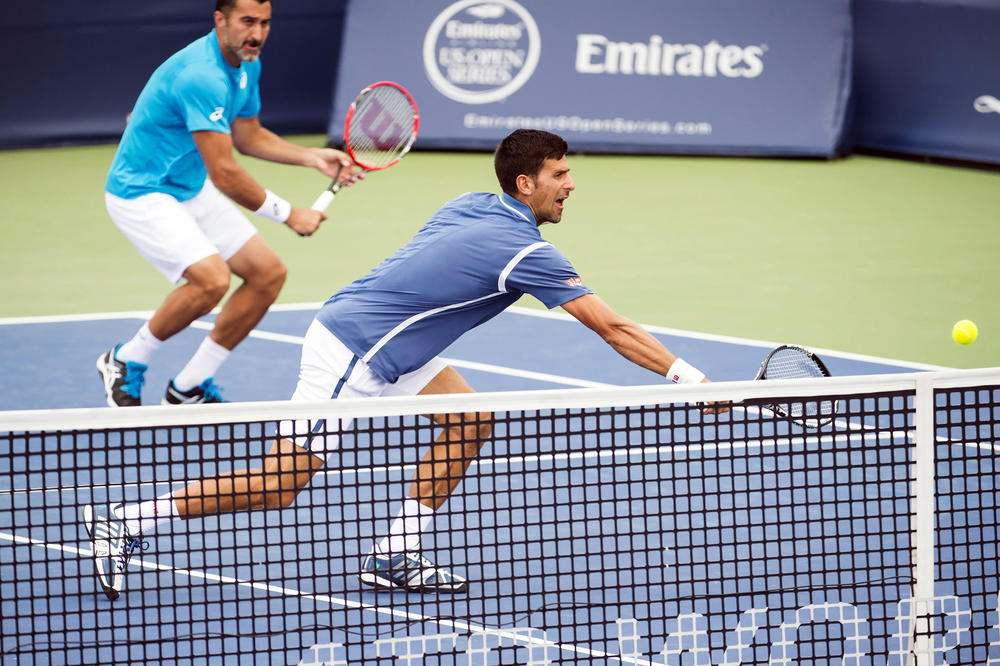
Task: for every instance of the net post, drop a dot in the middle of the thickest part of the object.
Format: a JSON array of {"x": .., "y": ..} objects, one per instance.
[{"x": 924, "y": 516}]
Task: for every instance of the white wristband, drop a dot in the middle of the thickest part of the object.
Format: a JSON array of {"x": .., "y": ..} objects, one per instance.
[
  {"x": 274, "y": 208},
  {"x": 682, "y": 372}
]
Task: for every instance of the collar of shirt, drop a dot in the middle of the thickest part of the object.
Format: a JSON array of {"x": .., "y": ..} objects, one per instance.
[
  {"x": 521, "y": 209},
  {"x": 234, "y": 73}
]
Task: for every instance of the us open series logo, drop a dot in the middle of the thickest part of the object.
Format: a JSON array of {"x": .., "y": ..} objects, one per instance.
[{"x": 479, "y": 52}]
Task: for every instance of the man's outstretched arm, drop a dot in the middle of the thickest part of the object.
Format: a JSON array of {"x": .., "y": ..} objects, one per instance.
[{"x": 625, "y": 336}]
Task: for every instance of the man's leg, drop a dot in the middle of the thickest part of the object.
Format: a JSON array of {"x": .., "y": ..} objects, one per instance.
[
  {"x": 292, "y": 461},
  {"x": 443, "y": 466},
  {"x": 167, "y": 235},
  {"x": 287, "y": 469},
  {"x": 207, "y": 281},
  {"x": 396, "y": 562},
  {"x": 263, "y": 275}
]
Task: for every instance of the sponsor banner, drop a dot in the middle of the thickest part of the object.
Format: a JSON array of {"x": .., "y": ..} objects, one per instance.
[
  {"x": 933, "y": 88},
  {"x": 763, "y": 77}
]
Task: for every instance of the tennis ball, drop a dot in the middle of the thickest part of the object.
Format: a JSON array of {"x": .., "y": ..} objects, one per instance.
[{"x": 964, "y": 332}]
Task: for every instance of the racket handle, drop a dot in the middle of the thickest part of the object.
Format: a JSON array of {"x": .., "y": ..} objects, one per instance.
[{"x": 323, "y": 201}]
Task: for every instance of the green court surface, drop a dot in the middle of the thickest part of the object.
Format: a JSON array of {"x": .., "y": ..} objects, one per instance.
[{"x": 867, "y": 255}]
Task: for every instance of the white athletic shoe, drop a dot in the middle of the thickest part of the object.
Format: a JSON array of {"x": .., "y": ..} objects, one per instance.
[
  {"x": 410, "y": 572},
  {"x": 111, "y": 547}
]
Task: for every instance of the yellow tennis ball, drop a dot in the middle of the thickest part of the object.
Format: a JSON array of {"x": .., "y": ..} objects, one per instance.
[{"x": 964, "y": 332}]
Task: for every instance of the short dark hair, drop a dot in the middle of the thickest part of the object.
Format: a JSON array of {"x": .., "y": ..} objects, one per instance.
[
  {"x": 524, "y": 151},
  {"x": 225, "y": 6}
]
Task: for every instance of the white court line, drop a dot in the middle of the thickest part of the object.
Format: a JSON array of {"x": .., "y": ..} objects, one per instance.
[
  {"x": 407, "y": 616},
  {"x": 514, "y": 309}
]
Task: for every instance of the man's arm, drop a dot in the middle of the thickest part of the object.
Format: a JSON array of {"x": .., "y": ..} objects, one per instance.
[
  {"x": 216, "y": 149},
  {"x": 624, "y": 335},
  {"x": 253, "y": 139}
]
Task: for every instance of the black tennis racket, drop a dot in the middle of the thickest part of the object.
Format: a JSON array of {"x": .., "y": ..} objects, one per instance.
[
  {"x": 380, "y": 128},
  {"x": 794, "y": 362}
]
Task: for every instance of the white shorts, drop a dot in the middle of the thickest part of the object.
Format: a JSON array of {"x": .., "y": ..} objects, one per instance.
[
  {"x": 329, "y": 370},
  {"x": 172, "y": 235}
]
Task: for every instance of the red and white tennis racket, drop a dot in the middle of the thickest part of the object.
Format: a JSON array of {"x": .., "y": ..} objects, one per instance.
[{"x": 380, "y": 128}]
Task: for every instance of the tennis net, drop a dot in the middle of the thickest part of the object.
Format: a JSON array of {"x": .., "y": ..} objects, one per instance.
[{"x": 596, "y": 526}]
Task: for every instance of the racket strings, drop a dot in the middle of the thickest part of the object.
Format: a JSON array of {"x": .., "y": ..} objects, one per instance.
[
  {"x": 791, "y": 364},
  {"x": 795, "y": 364},
  {"x": 382, "y": 127}
]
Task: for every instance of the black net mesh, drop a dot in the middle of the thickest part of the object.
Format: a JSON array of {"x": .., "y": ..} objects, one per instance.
[{"x": 650, "y": 534}]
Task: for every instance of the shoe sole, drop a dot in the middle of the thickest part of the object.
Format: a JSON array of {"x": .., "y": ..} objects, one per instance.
[
  {"x": 386, "y": 585},
  {"x": 102, "y": 370}
]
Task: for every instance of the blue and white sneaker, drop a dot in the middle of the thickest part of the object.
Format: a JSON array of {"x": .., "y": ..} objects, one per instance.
[
  {"x": 111, "y": 547},
  {"x": 410, "y": 572},
  {"x": 122, "y": 380},
  {"x": 205, "y": 392}
]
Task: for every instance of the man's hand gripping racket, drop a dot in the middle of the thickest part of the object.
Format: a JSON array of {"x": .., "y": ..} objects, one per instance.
[{"x": 380, "y": 128}]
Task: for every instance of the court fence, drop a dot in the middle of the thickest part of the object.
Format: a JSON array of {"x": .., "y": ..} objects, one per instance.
[{"x": 596, "y": 526}]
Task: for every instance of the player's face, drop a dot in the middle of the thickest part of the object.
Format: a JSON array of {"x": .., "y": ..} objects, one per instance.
[
  {"x": 243, "y": 32},
  {"x": 549, "y": 190}
]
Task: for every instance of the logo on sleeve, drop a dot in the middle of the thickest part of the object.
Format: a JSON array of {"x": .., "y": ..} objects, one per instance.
[
  {"x": 575, "y": 281},
  {"x": 217, "y": 114},
  {"x": 987, "y": 104}
]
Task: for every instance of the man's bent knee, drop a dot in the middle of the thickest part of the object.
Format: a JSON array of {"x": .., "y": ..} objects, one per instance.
[
  {"x": 210, "y": 277},
  {"x": 272, "y": 278}
]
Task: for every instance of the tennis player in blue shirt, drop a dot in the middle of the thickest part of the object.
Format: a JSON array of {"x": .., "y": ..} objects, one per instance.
[
  {"x": 171, "y": 189},
  {"x": 382, "y": 335}
]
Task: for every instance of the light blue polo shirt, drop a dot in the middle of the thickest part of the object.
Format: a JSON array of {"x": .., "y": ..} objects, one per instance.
[
  {"x": 195, "y": 89},
  {"x": 476, "y": 255}
]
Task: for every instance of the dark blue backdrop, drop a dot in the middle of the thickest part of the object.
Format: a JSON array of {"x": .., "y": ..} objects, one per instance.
[
  {"x": 927, "y": 77},
  {"x": 924, "y": 76},
  {"x": 72, "y": 70}
]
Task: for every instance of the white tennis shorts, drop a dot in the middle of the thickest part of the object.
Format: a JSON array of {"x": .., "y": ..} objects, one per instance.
[
  {"x": 329, "y": 370},
  {"x": 173, "y": 235}
]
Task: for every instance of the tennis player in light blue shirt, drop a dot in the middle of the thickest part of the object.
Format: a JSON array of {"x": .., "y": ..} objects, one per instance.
[
  {"x": 382, "y": 334},
  {"x": 172, "y": 190},
  {"x": 194, "y": 90}
]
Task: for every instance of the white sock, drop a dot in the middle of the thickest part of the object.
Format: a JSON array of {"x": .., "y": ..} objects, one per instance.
[
  {"x": 404, "y": 533},
  {"x": 140, "y": 348},
  {"x": 146, "y": 516},
  {"x": 204, "y": 364}
]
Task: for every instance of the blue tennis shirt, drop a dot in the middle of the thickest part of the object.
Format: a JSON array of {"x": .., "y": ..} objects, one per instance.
[
  {"x": 476, "y": 255},
  {"x": 194, "y": 90}
]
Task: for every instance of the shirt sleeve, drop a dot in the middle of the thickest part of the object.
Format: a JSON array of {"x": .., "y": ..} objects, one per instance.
[
  {"x": 202, "y": 101},
  {"x": 545, "y": 273}
]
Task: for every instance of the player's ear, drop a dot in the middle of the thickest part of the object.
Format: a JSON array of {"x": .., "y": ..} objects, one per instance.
[
  {"x": 525, "y": 184},
  {"x": 220, "y": 19}
]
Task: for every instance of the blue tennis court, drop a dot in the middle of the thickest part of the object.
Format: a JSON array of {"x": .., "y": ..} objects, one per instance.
[
  {"x": 50, "y": 361},
  {"x": 641, "y": 534}
]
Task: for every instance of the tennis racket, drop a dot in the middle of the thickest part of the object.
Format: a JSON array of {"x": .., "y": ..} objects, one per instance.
[
  {"x": 794, "y": 362},
  {"x": 380, "y": 128}
]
